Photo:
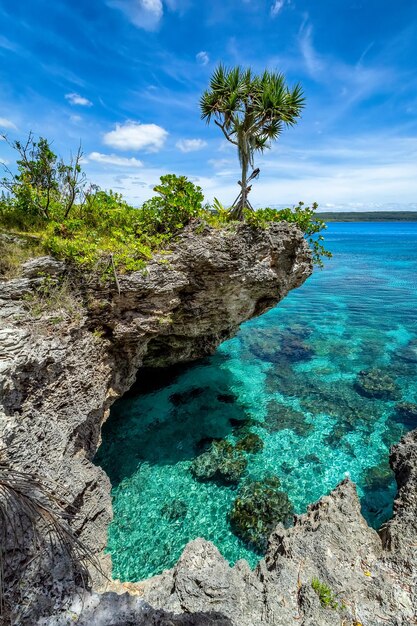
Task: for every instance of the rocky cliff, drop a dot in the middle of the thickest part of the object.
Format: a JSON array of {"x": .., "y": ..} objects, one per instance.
[
  {"x": 71, "y": 344},
  {"x": 59, "y": 374}
]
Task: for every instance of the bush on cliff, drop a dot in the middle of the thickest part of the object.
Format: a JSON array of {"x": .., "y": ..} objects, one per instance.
[{"x": 51, "y": 201}]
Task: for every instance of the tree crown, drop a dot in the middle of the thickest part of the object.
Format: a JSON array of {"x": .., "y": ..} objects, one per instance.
[{"x": 250, "y": 109}]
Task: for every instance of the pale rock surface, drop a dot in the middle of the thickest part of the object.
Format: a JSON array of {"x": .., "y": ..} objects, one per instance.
[{"x": 57, "y": 382}]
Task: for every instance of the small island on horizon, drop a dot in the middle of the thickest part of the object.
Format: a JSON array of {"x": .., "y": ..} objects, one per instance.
[{"x": 368, "y": 216}]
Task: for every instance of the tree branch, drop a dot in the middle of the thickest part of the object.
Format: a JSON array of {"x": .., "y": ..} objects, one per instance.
[{"x": 225, "y": 133}]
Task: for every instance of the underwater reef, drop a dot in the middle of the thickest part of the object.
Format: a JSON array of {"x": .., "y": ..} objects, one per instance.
[{"x": 59, "y": 375}]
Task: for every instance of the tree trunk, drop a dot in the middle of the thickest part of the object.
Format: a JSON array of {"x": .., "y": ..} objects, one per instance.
[{"x": 237, "y": 212}]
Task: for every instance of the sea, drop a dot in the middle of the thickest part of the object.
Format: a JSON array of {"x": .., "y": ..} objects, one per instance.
[{"x": 291, "y": 376}]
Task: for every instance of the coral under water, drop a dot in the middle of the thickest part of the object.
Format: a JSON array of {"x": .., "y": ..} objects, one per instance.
[{"x": 327, "y": 380}]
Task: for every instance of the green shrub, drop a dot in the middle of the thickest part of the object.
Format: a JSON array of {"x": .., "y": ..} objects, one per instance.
[
  {"x": 89, "y": 227},
  {"x": 327, "y": 598},
  {"x": 178, "y": 202},
  {"x": 304, "y": 217}
]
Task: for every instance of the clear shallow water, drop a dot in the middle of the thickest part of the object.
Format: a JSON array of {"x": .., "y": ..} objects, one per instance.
[{"x": 359, "y": 313}]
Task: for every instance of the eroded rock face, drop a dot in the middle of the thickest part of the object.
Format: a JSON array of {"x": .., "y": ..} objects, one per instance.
[
  {"x": 331, "y": 542},
  {"x": 57, "y": 381},
  {"x": 60, "y": 373}
]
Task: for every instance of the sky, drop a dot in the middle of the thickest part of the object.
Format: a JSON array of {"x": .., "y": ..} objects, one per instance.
[{"x": 124, "y": 78}]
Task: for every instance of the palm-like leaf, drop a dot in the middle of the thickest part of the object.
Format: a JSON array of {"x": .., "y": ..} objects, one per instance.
[
  {"x": 251, "y": 110},
  {"x": 30, "y": 511}
]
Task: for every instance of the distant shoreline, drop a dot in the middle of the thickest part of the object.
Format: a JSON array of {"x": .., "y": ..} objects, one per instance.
[{"x": 368, "y": 216}]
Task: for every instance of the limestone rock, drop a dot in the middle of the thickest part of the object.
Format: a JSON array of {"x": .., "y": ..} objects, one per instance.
[
  {"x": 42, "y": 266},
  {"x": 58, "y": 380}
]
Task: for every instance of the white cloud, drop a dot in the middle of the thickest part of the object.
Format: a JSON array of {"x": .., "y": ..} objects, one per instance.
[
  {"x": 136, "y": 136},
  {"x": 202, "y": 57},
  {"x": 144, "y": 14},
  {"x": 191, "y": 145},
  {"x": 6, "y": 44},
  {"x": 114, "y": 159},
  {"x": 314, "y": 63},
  {"x": 75, "y": 119},
  {"x": 276, "y": 7},
  {"x": 76, "y": 99},
  {"x": 4, "y": 123}
]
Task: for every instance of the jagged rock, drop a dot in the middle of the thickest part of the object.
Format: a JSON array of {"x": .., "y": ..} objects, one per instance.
[
  {"x": 57, "y": 384},
  {"x": 331, "y": 542},
  {"x": 56, "y": 389},
  {"x": 376, "y": 383},
  {"x": 42, "y": 266},
  {"x": 203, "y": 578},
  {"x": 111, "y": 609}
]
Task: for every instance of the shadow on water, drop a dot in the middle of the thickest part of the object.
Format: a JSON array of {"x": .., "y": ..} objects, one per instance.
[
  {"x": 291, "y": 377},
  {"x": 170, "y": 415}
]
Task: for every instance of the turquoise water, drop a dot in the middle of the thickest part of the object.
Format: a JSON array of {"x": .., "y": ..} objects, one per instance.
[{"x": 290, "y": 375}]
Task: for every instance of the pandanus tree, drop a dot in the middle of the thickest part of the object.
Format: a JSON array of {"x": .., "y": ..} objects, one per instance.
[{"x": 251, "y": 111}]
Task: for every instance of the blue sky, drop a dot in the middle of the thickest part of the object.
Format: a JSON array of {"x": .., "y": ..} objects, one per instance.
[{"x": 125, "y": 77}]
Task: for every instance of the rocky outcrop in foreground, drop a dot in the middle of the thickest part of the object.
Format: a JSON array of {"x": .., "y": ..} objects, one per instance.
[
  {"x": 58, "y": 379},
  {"x": 71, "y": 344}
]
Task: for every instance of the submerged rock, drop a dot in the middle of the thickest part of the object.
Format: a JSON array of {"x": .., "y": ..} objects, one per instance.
[
  {"x": 406, "y": 413},
  {"x": 251, "y": 443},
  {"x": 174, "y": 510},
  {"x": 281, "y": 417},
  {"x": 376, "y": 383},
  {"x": 408, "y": 353},
  {"x": 259, "y": 507},
  {"x": 294, "y": 350},
  {"x": 226, "y": 398},
  {"x": 280, "y": 346},
  {"x": 222, "y": 462},
  {"x": 184, "y": 397}
]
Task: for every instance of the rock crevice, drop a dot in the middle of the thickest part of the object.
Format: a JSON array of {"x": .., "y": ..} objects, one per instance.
[{"x": 61, "y": 371}]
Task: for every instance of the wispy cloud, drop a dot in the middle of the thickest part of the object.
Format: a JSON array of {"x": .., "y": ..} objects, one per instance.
[
  {"x": 136, "y": 136},
  {"x": 191, "y": 145},
  {"x": 144, "y": 14},
  {"x": 6, "y": 44},
  {"x": 114, "y": 159},
  {"x": 277, "y": 7},
  {"x": 8, "y": 124},
  {"x": 348, "y": 83},
  {"x": 77, "y": 100},
  {"x": 202, "y": 57},
  {"x": 315, "y": 65}
]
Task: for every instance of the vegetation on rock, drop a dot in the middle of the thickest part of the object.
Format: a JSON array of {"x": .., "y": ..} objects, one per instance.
[
  {"x": 327, "y": 598},
  {"x": 50, "y": 202},
  {"x": 251, "y": 111}
]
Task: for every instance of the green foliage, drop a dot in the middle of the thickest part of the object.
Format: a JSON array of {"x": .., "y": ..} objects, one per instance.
[
  {"x": 14, "y": 252},
  {"x": 50, "y": 201},
  {"x": 327, "y": 598},
  {"x": 304, "y": 217},
  {"x": 251, "y": 111},
  {"x": 178, "y": 202},
  {"x": 44, "y": 187},
  {"x": 222, "y": 213}
]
